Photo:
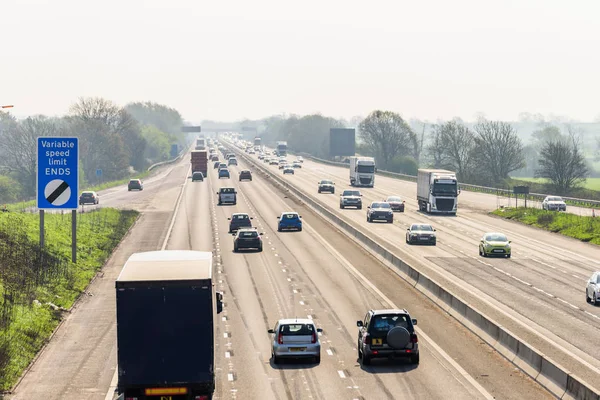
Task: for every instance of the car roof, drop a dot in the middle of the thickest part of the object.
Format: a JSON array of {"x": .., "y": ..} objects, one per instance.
[
  {"x": 88, "y": 192},
  {"x": 244, "y": 170},
  {"x": 289, "y": 212},
  {"x": 494, "y": 233},
  {"x": 288, "y": 321},
  {"x": 226, "y": 187},
  {"x": 389, "y": 311},
  {"x": 239, "y": 214}
]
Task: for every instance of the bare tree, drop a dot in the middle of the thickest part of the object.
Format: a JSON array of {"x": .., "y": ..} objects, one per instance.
[
  {"x": 417, "y": 138},
  {"x": 437, "y": 149},
  {"x": 387, "y": 134},
  {"x": 499, "y": 150},
  {"x": 19, "y": 146},
  {"x": 563, "y": 163},
  {"x": 459, "y": 144}
]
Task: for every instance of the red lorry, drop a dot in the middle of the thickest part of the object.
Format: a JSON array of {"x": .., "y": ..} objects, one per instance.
[{"x": 200, "y": 161}]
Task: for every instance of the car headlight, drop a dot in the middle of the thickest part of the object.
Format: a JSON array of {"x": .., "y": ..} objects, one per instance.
[{"x": 507, "y": 245}]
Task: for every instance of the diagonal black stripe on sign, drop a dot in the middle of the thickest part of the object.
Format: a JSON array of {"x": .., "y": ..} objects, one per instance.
[{"x": 59, "y": 190}]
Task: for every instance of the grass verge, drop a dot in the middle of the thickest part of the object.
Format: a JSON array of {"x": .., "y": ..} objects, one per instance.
[
  {"x": 586, "y": 229},
  {"x": 36, "y": 286}
]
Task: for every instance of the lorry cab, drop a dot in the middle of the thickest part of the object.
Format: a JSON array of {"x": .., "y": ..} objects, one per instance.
[{"x": 362, "y": 171}]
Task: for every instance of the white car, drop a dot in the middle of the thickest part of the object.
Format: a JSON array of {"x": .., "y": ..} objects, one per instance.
[
  {"x": 295, "y": 338},
  {"x": 288, "y": 170},
  {"x": 592, "y": 291},
  {"x": 554, "y": 203},
  {"x": 300, "y": 159}
]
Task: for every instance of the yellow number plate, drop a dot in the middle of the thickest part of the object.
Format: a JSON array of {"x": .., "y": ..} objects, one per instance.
[{"x": 378, "y": 341}]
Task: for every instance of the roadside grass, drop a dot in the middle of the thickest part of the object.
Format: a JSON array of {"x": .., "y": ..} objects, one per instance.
[
  {"x": 586, "y": 229},
  {"x": 33, "y": 316},
  {"x": 23, "y": 205},
  {"x": 590, "y": 183}
]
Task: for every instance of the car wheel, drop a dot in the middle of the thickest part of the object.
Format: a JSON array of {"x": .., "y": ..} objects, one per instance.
[
  {"x": 406, "y": 239},
  {"x": 368, "y": 219},
  {"x": 318, "y": 359},
  {"x": 414, "y": 359},
  {"x": 594, "y": 299},
  {"x": 275, "y": 359},
  {"x": 391, "y": 221},
  {"x": 260, "y": 249},
  {"x": 366, "y": 360},
  {"x": 434, "y": 243},
  {"x": 235, "y": 249},
  {"x": 508, "y": 256},
  {"x": 279, "y": 229},
  {"x": 129, "y": 190},
  {"x": 341, "y": 207},
  {"x": 299, "y": 229},
  {"x": 319, "y": 191},
  {"x": 333, "y": 192},
  {"x": 360, "y": 207},
  {"x": 234, "y": 203},
  {"x": 587, "y": 298}
]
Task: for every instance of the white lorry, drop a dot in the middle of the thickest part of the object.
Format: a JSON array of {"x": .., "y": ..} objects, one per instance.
[
  {"x": 437, "y": 191},
  {"x": 362, "y": 171}
]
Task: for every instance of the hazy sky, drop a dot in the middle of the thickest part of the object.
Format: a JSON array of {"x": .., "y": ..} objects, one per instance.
[{"x": 227, "y": 60}]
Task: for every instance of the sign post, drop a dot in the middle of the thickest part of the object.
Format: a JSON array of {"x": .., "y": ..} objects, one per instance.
[{"x": 58, "y": 180}]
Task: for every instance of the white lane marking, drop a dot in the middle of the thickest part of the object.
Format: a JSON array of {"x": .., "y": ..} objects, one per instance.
[
  {"x": 329, "y": 352},
  {"x": 113, "y": 386},
  {"x": 227, "y": 354},
  {"x": 230, "y": 377},
  {"x": 309, "y": 317},
  {"x": 370, "y": 286},
  {"x": 301, "y": 303},
  {"x": 341, "y": 374},
  {"x": 225, "y": 335},
  {"x": 178, "y": 203}
]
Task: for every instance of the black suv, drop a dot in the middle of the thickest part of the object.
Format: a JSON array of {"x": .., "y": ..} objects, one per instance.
[
  {"x": 239, "y": 220},
  {"x": 247, "y": 238},
  {"x": 245, "y": 174},
  {"x": 387, "y": 334}
]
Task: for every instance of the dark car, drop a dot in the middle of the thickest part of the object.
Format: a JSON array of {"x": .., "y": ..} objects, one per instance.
[
  {"x": 396, "y": 203},
  {"x": 245, "y": 175},
  {"x": 386, "y": 334},
  {"x": 224, "y": 173},
  {"x": 247, "y": 239},
  {"x": 89, "y": 198},
  {"x": 214, "y": 157},
  {"x": 380, "y": 211},
  {"x": 136, "y": 184},
  {"x": 216, "y": 164},
  {"x": 197, "y": 176},
  {"x": 239, "y": 220},
  {"x": 326, "y": 186}
]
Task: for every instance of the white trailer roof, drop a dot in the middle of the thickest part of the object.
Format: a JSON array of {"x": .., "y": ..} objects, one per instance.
[{"x": 167, "y": 265}]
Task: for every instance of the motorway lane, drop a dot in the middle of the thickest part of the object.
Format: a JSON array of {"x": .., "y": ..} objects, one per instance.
[
  {"x": 79, "y": 361},
  {"x": 529, "y": 282},
  {"x": 302, "y": 278},
  {"x": 554, "y": 305}
]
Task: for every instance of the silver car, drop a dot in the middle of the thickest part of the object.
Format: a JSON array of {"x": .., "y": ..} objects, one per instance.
[
  {"x": 592, "y": 291},
  {"x": 421, "y": 233},
  {"x": 295, "y": 338}
]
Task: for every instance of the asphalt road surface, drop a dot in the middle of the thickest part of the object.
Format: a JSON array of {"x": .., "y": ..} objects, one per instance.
[
  {"x": 538, "y": 293},
  {"x": 317, "y": 272}
]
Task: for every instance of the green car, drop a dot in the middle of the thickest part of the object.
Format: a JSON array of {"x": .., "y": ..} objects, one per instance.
[{"x": 494, "y": 244}]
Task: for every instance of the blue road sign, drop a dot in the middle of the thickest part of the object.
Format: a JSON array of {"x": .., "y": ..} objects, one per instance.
[
  {"x": 98, "y": 173},
  {"x": 57, "y": 177}
]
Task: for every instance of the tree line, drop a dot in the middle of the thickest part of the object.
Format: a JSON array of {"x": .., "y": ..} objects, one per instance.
[
  {"x": 483, "y": 153},
  {"x": 118, "y": 140}
]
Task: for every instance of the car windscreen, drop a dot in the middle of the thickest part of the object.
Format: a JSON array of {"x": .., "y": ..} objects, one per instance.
[
  {"x": 296, "y": 329},
  {"x": 87, "y": 194},
  {"x": 380, "y": 205},
  {"x": 421, "y": 228},
  {"x": 365, "y": 169},
  {"x": 227, "y": 190},
  {"x": 240, "y": 217},
  {"x": 496, "y": 237},
  {"x": 555, "y": 199},
  {"x": 395, "y": 199},
  {"x": 326, "y": 183},
  {"x": 290, "y": 216},
  {"x": 248, "y": 234},
  {"x": 383, "y": 323},
  {"x": 351, "y": 193}
]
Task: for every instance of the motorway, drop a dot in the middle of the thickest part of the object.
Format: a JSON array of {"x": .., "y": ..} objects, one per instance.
[
  {"x": 538, "y": 293},
  {"x": 318, "y": 272}
]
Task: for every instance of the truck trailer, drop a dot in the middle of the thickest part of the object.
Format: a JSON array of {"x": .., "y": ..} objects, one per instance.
[
  {"x": 437, "y": 191},
  {"x": 281, "y": 149},
  {"x": 362, "y": 171},
  {"x": 199, "y": 160},
  {"x": 166, "y": 306}
]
